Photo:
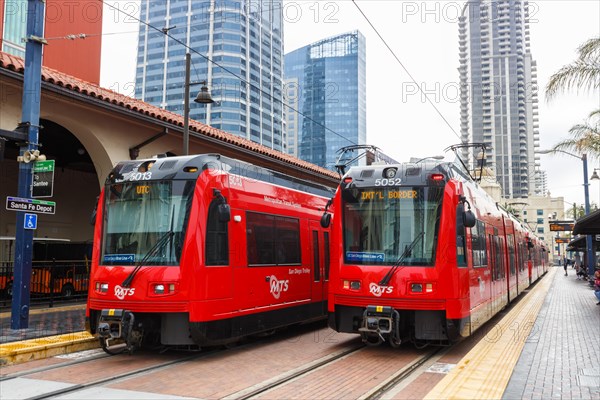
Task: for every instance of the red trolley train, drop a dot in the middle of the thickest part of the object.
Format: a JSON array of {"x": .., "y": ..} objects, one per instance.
[
  {"x": 202, "y": 250},
  {"x": 421, "y": 253}
]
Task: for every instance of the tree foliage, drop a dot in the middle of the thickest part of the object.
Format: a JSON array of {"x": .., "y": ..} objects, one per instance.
[
  {"x": 584, "y": 138},
  {"x": 581, "y": 74}
]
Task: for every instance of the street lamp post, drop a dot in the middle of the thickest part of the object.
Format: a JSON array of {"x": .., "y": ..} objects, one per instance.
[
  {"x": 596, "y": 177},
  {"x": 589, "y": 246},
  {"x": 203, "y": 98}
]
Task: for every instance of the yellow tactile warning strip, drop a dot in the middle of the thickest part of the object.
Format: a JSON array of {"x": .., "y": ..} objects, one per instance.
[
  {"x": 485, "y": 371},
  {"x": 34, "y": 349}
]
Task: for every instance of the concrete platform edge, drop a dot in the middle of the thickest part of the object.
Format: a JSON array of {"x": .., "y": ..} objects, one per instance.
[{"x": 36, "y": 349}]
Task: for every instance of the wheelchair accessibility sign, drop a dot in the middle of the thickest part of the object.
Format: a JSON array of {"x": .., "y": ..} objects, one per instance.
[{"x": 30, "y": 221}]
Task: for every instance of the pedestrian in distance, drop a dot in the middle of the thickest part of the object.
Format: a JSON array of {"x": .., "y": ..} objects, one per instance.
[
  {"x": 597, "y": 286},
  {"x": 577, "y": 265},
  {"x": 565, "y": 266}
]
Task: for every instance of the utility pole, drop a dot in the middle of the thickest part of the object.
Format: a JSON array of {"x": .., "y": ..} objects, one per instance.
[{"x": 30, "y": 118}]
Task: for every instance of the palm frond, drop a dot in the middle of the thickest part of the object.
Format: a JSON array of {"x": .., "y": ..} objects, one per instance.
[
  {"x": 594, "y": 114},
  {"x": 579, "y": 75},
  {"x": 589, "y": 49},
  {"x": 583, "y": 73}
]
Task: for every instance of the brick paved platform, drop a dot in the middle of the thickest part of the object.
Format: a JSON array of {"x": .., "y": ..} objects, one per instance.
[
  {"x": 44, "y": 322},
  {"x": 561, "y": 356},
  {"x": 558, "y": 356}
]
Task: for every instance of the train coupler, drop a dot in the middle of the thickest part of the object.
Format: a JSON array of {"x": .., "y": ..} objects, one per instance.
[
  {"x": 115, "y": 331},
  {"x": 379, "y": 323}
]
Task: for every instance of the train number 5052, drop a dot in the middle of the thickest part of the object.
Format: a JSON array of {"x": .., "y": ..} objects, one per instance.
[{"x": 388, "y": 182}]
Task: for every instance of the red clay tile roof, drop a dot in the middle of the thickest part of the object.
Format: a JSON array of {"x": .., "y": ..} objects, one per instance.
[{"x": 49, "y": 75}]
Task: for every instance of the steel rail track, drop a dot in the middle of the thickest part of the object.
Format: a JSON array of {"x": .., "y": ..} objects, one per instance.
[
  {"x": 115, "y": 378},
  {"x": 243, "y": 395},
  {"x": 401, "y": 375}
]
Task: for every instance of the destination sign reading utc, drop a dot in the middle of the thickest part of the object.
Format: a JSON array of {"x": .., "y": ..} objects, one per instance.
[{"x": 30, "y": 205}]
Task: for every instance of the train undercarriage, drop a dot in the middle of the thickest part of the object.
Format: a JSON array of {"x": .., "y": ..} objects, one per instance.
[
  {"x": 121, "y": 330},
  {"x": 379, "y": 324}
]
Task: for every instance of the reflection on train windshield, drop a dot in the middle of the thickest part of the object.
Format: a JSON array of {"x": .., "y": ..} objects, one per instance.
[
  {"x": 137, "y": 215},
  {"x": 381, "y": 225}
]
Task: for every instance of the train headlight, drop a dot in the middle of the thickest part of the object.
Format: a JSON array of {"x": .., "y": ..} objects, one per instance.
[
  {"x": 159, "y": 289},
  {"x": 101, "y": 287},
  {"x": 390, "y": 172},
  {"x": 416, "y": 287},
  {"x": 421, "y": 287},
  {"x": 351, "y": 285}
]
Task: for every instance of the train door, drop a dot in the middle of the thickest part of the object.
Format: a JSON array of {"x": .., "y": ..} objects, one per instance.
[
  {"x": 479, "y": 277},
  {"x": 509, "y": 232},
  {"x": 318, "y": 260},
  {"x": 499, "y": 284},
  {"x": 220, "y": 254}
]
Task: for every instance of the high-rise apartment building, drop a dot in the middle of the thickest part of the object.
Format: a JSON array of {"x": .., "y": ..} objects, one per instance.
[
  {"x": 67, "y": 51},
  {"x": 499, "y": 104},
  {"x": 326, "y": 95},
  {"x": 236, "y": 47}
]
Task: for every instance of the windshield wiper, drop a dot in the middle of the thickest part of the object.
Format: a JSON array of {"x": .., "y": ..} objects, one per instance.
[
  {"x": 407, "y": 251},
  {"x": 164, "y": 239}
]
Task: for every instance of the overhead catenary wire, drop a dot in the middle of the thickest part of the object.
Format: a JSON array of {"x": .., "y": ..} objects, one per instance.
[
  {"x": 166, "y": 32},
  {"x": 74, "y": 36}
]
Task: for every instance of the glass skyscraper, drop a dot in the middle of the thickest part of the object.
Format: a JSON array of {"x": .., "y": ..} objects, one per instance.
[
  {"x": 326, "y": 98},
  {"x": 244, "y": 41}
]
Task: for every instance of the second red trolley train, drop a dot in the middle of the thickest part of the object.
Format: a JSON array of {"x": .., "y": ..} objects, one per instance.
[
  {"x": 203, "y": 250},
  {"x": 422, "y": 254}
]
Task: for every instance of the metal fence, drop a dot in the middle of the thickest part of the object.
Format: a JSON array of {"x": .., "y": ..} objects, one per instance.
[{"x": 51, "y": 280}]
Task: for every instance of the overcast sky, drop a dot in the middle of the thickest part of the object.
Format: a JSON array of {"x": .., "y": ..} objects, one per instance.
[{"x": 424, "y": 36}]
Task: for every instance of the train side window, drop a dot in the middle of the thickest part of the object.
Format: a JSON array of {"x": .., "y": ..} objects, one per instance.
[
  {"x": 483, "y": 244},
  {"x": 272, "y": 240},
  {"x": 217, "y": 238},
  {"x": 521, "y": 252},
  {"x": 327, "y": 259},
  {"x": 511, "y": 253},
  {"x": 498, "y": 267},
  {"x": 461, "y": 243},
  {"x": 491, "y": 258},
  {"x": 316, "y": 260},
  {"x": 478, "y": 245}
]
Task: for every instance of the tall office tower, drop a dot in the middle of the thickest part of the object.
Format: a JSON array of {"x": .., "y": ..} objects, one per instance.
[
  {"x": 243, "y": 40},
  {"x": 326, "y": 95},
  {"x": 64, "y": 22},
  {"x": 499, "y": 104}
]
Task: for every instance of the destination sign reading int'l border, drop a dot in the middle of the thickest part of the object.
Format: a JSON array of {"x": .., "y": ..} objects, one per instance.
[{"x": 30, "y": 205}]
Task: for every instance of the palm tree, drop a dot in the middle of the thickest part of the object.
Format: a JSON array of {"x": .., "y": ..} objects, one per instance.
[
  {"x": 585, "y": 137},
  {"x": 583, "y": 73},
  {"x": 576, "y": 212}
]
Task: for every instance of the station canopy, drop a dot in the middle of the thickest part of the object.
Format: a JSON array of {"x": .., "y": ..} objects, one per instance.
[{"x": 588, "y": 225}]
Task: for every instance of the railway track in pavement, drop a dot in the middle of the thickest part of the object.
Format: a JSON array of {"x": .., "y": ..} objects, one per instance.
[
  {"x": 302, "y": 363},
  {"x": 272, "y": 388}
]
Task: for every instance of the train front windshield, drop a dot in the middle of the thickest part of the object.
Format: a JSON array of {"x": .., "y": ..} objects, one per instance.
[
  {"x": 384, "y": 226},
  {"x": 145, "y": 221}
]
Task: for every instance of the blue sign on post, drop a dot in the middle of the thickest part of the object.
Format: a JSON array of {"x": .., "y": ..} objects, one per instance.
[{"x": 30, "y": 221}]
